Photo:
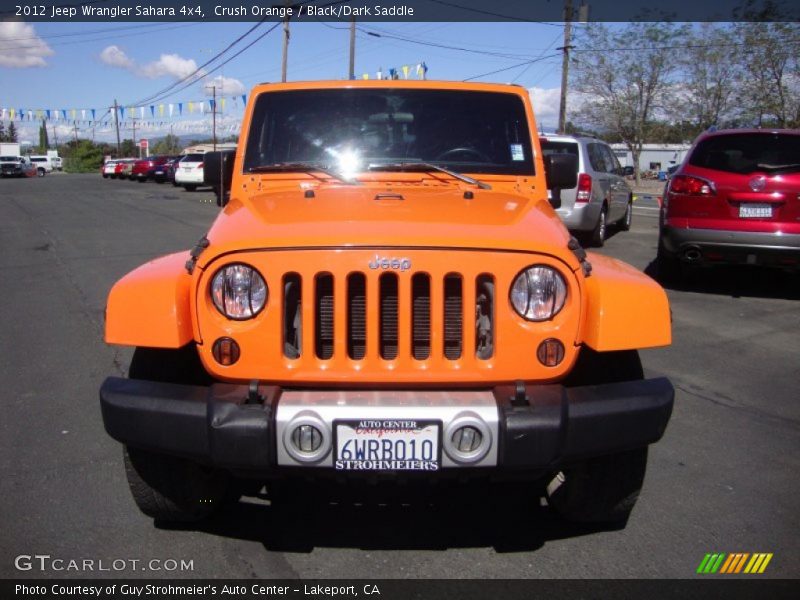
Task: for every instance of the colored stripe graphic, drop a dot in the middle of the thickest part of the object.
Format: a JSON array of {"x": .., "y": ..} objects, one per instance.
[
  {"x": 711, "y": 563},
  {"x": 720, "y": 562},
  {"x": 701, "y": 568},
  {"x": 758, "y": 563},
  {"x": 742, "y": 560}
]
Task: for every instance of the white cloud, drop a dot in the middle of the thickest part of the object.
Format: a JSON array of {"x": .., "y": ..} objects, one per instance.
[
  {"x": 20, "y": 47},
  {"x": 226, "y": 86},
  {"x": 172, "y": 65},
  {"x": 547, "y": 102},
  {"x": 114, "y": 56}
]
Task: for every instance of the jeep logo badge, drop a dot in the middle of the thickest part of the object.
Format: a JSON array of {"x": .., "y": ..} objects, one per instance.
[{"x": 396, "y": 264}]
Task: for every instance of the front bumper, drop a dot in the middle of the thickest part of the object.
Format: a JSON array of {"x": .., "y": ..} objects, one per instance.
[
  {"x": 753, "y": 247},
  {"x": 538, "y": 427}
]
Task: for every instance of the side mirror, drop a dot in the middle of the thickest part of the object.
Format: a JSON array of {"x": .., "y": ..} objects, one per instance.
[
  {"x": 218, "y": 172},
  {"x": 560, "y": 172}
]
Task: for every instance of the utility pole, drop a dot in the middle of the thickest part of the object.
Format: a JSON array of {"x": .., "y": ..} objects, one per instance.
[
  {"x": 285, "y": 44},
  {"x": 75, "y": 127},
  {"x": 562, "y": 109},
  {"x": 352, "y": 71},
  {"x": 116, "y": 123},
  {"x": 133, "y": 121},
  {"x": 213, "y": 116},
  {"x": 55, "y": 134}
]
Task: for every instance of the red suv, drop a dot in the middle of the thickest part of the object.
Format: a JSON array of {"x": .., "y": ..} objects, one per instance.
[{"x": 735, "y": 199}]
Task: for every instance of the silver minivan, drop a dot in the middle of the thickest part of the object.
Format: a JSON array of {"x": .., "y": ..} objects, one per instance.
[{"x": 602, "y": 196}]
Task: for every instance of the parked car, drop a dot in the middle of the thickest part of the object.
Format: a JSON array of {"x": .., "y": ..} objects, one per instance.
[
  {"x": 733, "y": 200},
  {"x": 42, "y": 161},
  {"x": 19, "y": 166},
  {"x": 58, "y": 164},
  {"x": 602, "y": 196},
  {"x": 143, "y": 168},
  {"x": 108, "y": 170},
  {"x": 162, "y": 171},
  {"x": 124, "y": 168},
  {"x": 388, "y": 319},
  {"x": 189, "y": 173}
]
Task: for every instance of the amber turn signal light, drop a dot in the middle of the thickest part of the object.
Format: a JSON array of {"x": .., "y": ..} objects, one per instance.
[
  {"x": 226, "y": 351},
  {"x": 550, "y": 352}
]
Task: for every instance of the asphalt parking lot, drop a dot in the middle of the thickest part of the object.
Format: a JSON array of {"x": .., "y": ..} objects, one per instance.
[{"x": 723, "y": 479}]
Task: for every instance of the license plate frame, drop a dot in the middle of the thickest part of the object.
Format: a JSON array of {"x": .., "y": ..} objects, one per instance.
[
  {"x": 755, "y": 210},
  {"x": 374, "y": 434}
]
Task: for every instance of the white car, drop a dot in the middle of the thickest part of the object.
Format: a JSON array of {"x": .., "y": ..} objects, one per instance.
[
  {"x": 42, "y": 161},
  {"x": 189, "y": 172},
  {"x": 109, "y": 169}
]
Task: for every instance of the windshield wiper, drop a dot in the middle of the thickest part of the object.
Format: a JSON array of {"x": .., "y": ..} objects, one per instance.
[
  {"x": 424, "y": 166},
  {"x": 306, "y": 167},
  {"x": 776, "y": 168}
]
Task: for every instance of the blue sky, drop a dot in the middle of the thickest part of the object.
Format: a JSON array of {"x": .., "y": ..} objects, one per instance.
[{"x": 88, "y": 65}]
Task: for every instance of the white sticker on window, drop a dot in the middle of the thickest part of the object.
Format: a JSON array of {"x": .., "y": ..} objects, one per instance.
[{"x": 517, "y": 153}]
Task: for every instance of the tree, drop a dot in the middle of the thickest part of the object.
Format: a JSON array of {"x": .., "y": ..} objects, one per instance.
[
  {"x": 625, "y": 91},
  {"x": 11, "y": 136},
  {"x": 771, "y": 83},
  {"x": 44, "y": 143},
  {"x": 711, "y": 75},
  {"x": 128, "y": 148},
  {"x": 82, "y": 156},
  {"x": 2, "y": 131},
  {"x": 170, "y": 144}
]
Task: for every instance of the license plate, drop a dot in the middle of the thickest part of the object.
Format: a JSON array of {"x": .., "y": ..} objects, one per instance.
[
  {"x": 387, "y": 445},
  {"x": 750, "y": 210}
]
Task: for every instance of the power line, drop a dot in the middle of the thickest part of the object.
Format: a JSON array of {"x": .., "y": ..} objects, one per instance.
[
  {"x": 492, "y": 14},
  {"x": 436, "y": 45},
  {"x": 555, "y": 39},
  {"x": 154, "y": 97},
  {"x": 219, "y": 66},
  {"x": 93, "y": 32},
  {"x": 522, "y": 64},
  {"x": 164, "y": 27},
  {"x": 681, "y": 47}
]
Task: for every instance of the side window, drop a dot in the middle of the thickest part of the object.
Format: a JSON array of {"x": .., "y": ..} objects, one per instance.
[
  {"x": 596, "y": 158},
  {"x": 611, "y": 161}
]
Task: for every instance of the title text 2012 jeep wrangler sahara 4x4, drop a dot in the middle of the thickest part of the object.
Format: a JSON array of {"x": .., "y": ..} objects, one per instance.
[{"x": 361, "y": 306}]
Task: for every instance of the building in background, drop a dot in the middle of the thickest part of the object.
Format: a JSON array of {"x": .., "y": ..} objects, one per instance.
[{"x": 654, "y": 157}]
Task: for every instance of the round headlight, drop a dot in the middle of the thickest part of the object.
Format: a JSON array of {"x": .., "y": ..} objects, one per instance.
[
  {"x": 238, "y": 291},
  {"x": 538, "y": 293}
]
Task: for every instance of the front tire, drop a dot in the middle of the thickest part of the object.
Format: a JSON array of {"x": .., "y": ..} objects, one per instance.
[
  {"x": 601, "y": 489},
  {"x": 41, "y": 172},
  {"x": 169, "y": 488},
  {"x": 190, "y": 187}
]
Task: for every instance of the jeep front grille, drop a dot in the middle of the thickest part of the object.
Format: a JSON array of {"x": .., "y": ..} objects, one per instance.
[{"x": 435, "y": 310}]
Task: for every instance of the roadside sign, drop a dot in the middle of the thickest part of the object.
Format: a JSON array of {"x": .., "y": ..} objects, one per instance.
[{"x": 143, "y": 144}]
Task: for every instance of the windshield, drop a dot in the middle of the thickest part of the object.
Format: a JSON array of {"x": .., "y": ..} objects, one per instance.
[
  {"x": 748, "y": 152},
  {"x": 349, "y": 130}
]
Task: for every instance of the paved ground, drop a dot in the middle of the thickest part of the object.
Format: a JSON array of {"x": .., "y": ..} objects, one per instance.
[{"x": 724, "y": 478}]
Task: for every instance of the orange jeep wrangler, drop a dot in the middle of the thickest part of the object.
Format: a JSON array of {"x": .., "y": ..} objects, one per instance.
[{"x": 388, "y": 294}]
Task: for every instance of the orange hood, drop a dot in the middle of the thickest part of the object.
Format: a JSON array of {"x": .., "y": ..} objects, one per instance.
[{"x": 389, "y": 216}]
